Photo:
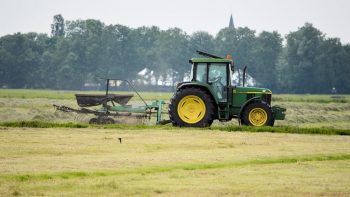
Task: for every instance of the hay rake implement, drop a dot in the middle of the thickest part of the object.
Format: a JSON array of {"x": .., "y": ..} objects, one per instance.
[{"x": 114, "y": 106}]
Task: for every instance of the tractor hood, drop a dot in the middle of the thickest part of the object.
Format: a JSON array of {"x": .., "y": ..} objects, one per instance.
[{"x": 251, "y": 90}]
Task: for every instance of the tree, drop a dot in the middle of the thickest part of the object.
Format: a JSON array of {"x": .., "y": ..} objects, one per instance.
[
  {"x": 202, "y": 41},
  {"x": 57, "y": 27},
  {"x": 344, "y": 82},
  {"x": 267, "y": 49},
  {"x": 303, "y": 48},
  {"x": 79, "y": 51},
  {"x": 20, "y": 61},
  {"x": 333, "y": 67},
  {"x": 171, "y": 49},
  {"x": 239, "y": 43}
]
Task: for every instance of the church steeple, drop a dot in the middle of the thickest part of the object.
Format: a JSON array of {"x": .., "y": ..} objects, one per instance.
[{"x": 231, "y": 25}]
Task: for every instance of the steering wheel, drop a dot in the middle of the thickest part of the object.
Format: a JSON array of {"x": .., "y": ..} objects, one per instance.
[{"x": 217, "y": 79}]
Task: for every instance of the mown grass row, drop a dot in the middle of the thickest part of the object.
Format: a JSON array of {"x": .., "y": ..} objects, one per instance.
[
  {"x": 311, "y": 98},
  {"x": 287, "y": 129},
  {"x": 228, "y": 128},
  {"x": 190, "y": 166},
  {"x": 40, "y": 124}
]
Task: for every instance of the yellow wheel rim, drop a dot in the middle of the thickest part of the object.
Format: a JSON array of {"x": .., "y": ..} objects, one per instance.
[
  {"x": 191, "y": 109},
  {"x": 257, "y": 117}
]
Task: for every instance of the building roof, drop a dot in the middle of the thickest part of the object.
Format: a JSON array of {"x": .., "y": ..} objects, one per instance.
[{"x": 231, "y": 24}]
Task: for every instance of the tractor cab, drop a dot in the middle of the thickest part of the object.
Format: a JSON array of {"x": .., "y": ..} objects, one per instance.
[{"x": 215, "y": 72}]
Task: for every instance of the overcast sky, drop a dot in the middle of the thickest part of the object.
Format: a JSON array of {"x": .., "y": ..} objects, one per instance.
[{"x": 330, "y": 16}]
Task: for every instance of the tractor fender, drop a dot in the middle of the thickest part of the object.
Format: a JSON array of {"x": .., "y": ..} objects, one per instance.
[
  {"x": 254, "y": 99},
  {"x": 198, "y": 85}
]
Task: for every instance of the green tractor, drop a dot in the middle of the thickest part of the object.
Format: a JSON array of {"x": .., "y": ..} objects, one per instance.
[{"x": 210, "y": 95}]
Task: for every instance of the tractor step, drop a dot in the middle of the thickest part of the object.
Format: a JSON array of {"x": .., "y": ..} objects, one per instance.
[{"x": 223, "y": 111}]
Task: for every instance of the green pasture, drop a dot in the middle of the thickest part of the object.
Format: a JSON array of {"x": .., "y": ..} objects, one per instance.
[
  {"x": 61, "y": 94},
  {"x": 306, "y": 111},
  {"x": 44, "y": 152},
  {"x": 227, "y": 128},
  {"x": 171, "y": 162}
]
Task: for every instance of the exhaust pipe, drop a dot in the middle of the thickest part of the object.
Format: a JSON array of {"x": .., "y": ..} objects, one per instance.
[{"x": 244, "y": 69}]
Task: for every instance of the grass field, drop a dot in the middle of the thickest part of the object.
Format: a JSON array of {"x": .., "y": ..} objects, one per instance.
[
  {"x": 54, "y": 94},
  {"x": 302, "y": 110},
  {"x": 181, "y": 162},
  {"x": 224, "y": 160}
]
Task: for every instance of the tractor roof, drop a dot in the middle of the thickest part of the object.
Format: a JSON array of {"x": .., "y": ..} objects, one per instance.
[{"x": 210, "y": 60}]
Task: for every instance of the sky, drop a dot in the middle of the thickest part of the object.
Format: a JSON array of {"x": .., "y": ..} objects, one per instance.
[{"x": 332, "y": 17}]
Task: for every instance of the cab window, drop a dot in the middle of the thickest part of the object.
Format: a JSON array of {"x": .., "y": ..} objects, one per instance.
[
  {"x": 217, "y": 74},
  {"x": 201, "y": 75},
  {"x": 218, "y": 80}
]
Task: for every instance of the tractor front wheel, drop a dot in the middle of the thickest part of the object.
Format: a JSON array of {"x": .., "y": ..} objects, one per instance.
[
  {"x": 257, "y": 114},
  {"x": 191, "y": 107}
]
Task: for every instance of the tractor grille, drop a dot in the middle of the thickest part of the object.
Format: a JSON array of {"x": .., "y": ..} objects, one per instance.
[{"x": 267, "y": 98}]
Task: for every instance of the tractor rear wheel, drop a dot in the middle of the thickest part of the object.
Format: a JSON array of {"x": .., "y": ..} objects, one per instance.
[
  {"x": 191, "y": 107},
  {"x": 258, "y": 114}
]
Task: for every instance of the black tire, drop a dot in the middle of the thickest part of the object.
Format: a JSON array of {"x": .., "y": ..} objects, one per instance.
[
  {"x": 258, "y": 105},
  {"x": 105, "y": 120},
  {"x": 94, "y": 121},
  {"x": 208, "y": 117},
  {"x": 109, "y": 121}
]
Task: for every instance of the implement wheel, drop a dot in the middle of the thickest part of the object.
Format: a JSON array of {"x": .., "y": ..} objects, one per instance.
[
  {"x": 258, "y": 114},
  {"x": 94, "y": 121},
  {"x": 191, "y": 107},
  {"x": 101, "y": 120},
  {"x": 107, "y": 121}
]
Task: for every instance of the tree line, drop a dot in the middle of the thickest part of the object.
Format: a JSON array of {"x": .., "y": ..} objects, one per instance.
[{"x": 305, "y": 61}]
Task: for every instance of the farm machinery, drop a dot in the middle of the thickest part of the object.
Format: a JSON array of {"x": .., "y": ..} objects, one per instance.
[
  {"x": 209, "y": 95},
  {"x": 114, "y": 106}
]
